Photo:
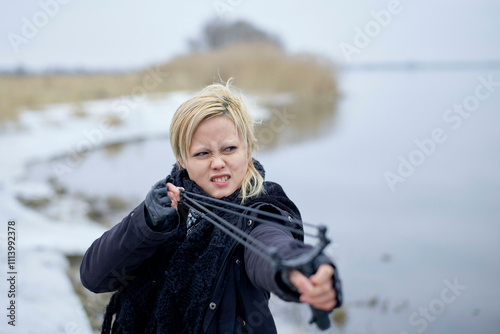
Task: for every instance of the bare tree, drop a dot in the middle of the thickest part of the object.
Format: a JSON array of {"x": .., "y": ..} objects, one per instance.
[{"x": 217, "y": 34}]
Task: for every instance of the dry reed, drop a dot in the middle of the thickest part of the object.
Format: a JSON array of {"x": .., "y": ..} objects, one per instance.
[{"x": 258, "y": 68}]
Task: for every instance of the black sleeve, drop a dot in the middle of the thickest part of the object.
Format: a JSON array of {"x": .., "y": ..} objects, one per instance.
[
  {"x": 110, "y": 261},
  {"x": 261, "y": 272}
]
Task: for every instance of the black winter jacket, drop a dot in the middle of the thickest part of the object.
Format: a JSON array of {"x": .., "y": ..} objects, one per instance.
[{"x": 239, "y": 302}]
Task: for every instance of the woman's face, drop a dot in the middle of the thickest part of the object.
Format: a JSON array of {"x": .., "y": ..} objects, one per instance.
[{"x": 217, "y": 158}]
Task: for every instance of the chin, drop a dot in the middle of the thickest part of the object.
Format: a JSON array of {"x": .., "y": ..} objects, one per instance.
[{"x": 221, "y": 193}]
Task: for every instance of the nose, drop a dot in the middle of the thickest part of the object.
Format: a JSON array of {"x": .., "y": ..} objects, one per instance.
[{"x": 218, "y": 163}]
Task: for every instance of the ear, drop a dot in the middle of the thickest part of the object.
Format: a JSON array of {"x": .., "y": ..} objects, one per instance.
[{"x": 182, "y": 164}]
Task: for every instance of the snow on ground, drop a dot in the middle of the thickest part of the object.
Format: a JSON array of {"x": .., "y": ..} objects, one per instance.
[
  {"x": 45, "y": 300},
  {"x": 69, "y": 130},
  {"x": 61, "y": 130},
  {"x": 44, "y": 297}
]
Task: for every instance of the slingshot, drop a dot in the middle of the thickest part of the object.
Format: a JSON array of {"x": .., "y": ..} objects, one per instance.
[{"x": 305, "y": 263}]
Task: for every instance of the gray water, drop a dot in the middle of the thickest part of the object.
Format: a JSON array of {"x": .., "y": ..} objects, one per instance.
[{"x": 398, "y": 249}]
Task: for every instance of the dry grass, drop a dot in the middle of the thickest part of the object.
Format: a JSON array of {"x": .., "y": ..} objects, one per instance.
[
  {"x": 36, "y": 91},
  {"x": 257, "y": 68},
  {"x": 264, "y": 69},
  {"x": 94, "y": 304},
  {"x": 339, "y": 317}
]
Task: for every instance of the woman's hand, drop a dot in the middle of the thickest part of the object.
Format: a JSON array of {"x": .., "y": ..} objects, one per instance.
[
  {"x": 159, "y": 211},
  {"x": 316, "y": 290},
  {"x": 174, "y": 193}
]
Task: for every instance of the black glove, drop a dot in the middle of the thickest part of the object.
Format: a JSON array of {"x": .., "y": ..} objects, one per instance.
[
  {"x": 320, "y": 317},
  {"x": 159, "y": 214},
  {"x": 317, "y": 261}
]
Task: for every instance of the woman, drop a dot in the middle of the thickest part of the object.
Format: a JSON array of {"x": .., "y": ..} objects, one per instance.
[{"x": 174, "y": 272}]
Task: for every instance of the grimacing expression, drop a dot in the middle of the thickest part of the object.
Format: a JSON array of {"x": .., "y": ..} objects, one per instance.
[{"x": 217, "y": 158}]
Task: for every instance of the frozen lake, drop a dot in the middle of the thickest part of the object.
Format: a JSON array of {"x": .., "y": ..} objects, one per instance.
[{"x": 407, "y": 180}]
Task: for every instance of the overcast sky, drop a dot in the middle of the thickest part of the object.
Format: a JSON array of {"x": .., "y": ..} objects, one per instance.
[{"x": 40, "y": 34}]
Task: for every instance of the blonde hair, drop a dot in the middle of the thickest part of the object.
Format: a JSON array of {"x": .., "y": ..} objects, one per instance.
[{"x": 216, "y": 100}]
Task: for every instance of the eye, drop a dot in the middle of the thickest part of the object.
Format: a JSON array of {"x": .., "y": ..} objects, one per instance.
[
  {"x": 200, "y": 154},
  {"x": 230, "y": 149}
]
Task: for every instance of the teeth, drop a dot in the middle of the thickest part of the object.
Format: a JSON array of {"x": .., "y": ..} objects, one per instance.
[{"x": 221, "y": 179}]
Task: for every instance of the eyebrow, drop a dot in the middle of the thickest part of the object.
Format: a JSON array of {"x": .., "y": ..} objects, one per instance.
[
  {"x": 231, "y": 142},
  {"x": 198, "y": 148}
]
